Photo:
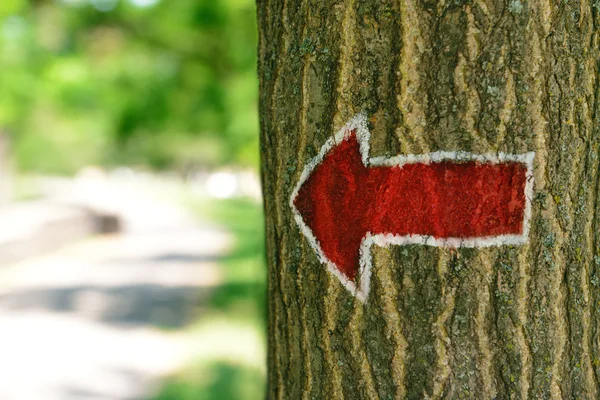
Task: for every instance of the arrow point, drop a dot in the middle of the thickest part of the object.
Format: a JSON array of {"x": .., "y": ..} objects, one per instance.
[{"x": 329, "y": 201}]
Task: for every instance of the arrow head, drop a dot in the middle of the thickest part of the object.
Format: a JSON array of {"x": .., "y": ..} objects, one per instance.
[{"x": 331, "y": 203}]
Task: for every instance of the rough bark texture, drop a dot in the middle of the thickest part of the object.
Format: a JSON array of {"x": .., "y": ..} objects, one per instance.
[{"x": 480, "y": 76}]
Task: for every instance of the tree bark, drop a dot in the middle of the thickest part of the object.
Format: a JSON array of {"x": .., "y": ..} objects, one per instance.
[{"x": 484, "y": 76}]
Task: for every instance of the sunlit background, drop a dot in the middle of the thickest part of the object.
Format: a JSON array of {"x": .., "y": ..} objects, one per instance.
[{"x": 131, "y": 243}]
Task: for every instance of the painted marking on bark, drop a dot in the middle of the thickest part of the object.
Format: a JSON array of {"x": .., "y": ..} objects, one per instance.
[{"x": 346, "y": 201}]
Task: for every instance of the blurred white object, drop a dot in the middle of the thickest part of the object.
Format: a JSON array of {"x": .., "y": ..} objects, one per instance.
[
  {"x": 250, "y": 185},
  {"x": 222, "y": 185},
  {"x": 144, "y": 3}
]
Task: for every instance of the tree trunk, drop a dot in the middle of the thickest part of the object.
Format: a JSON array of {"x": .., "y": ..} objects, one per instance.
[{"x": 482, "y": 76}]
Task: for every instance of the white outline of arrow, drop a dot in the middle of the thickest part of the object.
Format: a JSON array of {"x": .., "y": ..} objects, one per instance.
[{"x": 359, "y": 124}]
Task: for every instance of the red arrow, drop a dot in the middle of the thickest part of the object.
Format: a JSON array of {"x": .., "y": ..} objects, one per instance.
[{"x": 346, "y": 201}]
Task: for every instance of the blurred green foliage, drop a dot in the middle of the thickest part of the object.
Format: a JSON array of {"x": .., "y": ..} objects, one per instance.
[{"x": 168, "y": 84}]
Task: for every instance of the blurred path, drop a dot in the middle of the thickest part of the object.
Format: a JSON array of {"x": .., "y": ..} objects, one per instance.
[{"x": 100, "y": 319}]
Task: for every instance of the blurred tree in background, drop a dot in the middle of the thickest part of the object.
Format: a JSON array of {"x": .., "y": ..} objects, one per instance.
[{"x": 149, "y": 82}]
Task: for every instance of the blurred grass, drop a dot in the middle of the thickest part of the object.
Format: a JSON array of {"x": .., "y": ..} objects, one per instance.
[
  {"x": 219, "y": 380},
  {"x": 232, "y": 325}
]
